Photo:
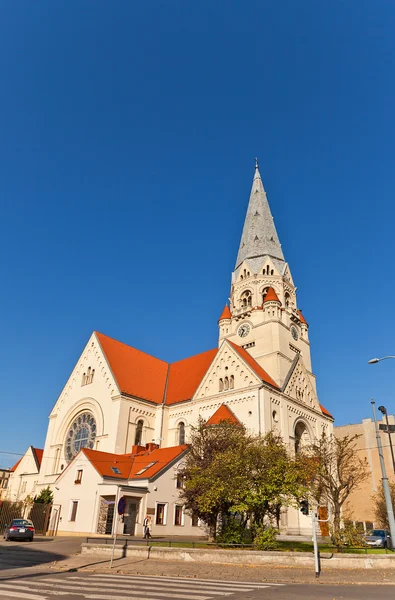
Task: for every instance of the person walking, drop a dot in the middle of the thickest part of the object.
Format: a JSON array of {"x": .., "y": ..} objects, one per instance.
[{"x": 147, "y": 527}]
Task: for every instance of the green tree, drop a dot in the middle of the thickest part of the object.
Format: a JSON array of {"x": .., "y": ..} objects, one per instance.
[
  {"x": 45, "y": 496},
  {"x": 380, "y": 507},
  {"x": 339, "y": 472}
]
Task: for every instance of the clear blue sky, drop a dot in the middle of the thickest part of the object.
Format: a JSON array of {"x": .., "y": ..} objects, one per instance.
[{"x": 128, "y": 132}]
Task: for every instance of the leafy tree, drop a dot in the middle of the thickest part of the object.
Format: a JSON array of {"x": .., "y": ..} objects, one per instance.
[
  {"x": 45, "y": 496},
  {"x": 338, "y": 472},
  {"x": 380, "y": 508},
  {"x": 228, "y": 472},
  {"x": 214, "y": 470}
]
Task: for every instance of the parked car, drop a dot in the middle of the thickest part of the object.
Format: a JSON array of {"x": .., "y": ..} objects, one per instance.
[
  {"x": 379, "y": 538},
  {"x": 20, "y": 529}
]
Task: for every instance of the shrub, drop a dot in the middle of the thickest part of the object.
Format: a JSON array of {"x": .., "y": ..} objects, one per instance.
[
  {"x": 348, "y": 535},
  {"x": 234, "y": 532},
  {"x": 265, "y": 538}
]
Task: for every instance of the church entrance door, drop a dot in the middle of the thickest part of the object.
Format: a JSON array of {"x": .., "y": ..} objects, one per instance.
[{"x": 130, "y": 517}]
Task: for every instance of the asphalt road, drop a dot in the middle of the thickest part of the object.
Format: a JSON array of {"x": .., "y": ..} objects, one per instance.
[{"x": 77, "y": 586}]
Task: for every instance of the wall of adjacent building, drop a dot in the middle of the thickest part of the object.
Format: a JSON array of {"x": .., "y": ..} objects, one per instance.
[{"x": 360, "y": 506}]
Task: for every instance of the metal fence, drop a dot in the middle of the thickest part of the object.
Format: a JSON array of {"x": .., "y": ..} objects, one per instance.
[{"x": 45, "y": 517}]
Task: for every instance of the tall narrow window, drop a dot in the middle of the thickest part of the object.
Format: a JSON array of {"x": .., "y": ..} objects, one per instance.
[
  {"x": 160, "y": 514},
  {"x": 221, "y": 384},
  {"x": 231, "y": 382},
  {"x": 139, "y": 433},
  {"x": 181, "y": 433},
  {"x": 73, "y": 510},
  {"x": 246, "y": 299},
  {"x": 226, "y": 383},
  {"x": 178, "y": 515}
]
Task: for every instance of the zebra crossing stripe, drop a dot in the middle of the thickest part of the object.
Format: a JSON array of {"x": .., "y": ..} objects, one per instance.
[
  {"x": 12, "y": 594},
  {"x": 103, "y": 587},
  {"x": 214, "y": 589},
  {"x": 209, "y": 582}
]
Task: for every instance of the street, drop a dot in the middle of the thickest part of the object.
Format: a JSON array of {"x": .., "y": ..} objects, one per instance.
[{"x": 120, "y": 587}]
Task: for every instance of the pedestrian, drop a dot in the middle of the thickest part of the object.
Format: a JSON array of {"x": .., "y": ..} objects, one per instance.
[{"x": 147, "y": 527}]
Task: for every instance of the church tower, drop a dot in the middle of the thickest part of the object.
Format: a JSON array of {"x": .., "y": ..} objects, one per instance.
[{"x": 263, "y": 316}]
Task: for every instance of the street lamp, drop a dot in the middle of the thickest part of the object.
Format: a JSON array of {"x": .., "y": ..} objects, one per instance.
[
  {"x": 373, "y": 361},
  {"x": 384, "y": 480},
  {"x": 383, "y": 410}
]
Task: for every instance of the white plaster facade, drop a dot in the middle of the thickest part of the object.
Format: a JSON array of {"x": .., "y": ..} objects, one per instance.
[{"x": 255, "y": 333}]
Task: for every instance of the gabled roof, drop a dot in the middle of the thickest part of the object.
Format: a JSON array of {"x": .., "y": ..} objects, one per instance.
[
  {"x": 223, "y": 413},
  {"x": 143, "y": 376},
  {"x": 130, "y": 466},
  {"x": 271, "y": 296},
  {"x": 38, "y": 455},
  {"x": 185, "y": 376},
  {"x": 136, "y": 373},
  {"x": 226, "y": 314},
  {"x": 256, "y": 367}
]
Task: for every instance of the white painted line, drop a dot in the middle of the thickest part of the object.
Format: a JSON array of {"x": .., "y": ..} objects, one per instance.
[
  {"x": 12, "y": 594},
  {"x": 213, "y": 588},
  {"x": 98, "y": 587},
  {"x": 224, "y": 582}
]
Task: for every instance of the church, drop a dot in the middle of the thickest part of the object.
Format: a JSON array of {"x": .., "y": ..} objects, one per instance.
[{"x": 120, "y": 427}]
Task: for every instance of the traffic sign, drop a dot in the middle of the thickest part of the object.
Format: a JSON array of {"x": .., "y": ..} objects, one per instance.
[{"x": 122, "y": 505}]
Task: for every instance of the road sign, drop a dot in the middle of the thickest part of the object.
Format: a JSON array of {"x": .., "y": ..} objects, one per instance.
[{"x": 121, "y": 505}]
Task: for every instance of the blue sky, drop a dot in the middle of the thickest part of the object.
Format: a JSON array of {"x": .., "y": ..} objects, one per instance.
[{"x": 128, "y": 132}]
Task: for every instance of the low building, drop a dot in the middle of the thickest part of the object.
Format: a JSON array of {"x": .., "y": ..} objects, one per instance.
[
  {"x": 24, "y": 475},
  {"x": 89, "y": 489},
  {"x": 360, "y": 506},
  {"x": 4, "y": 480}
]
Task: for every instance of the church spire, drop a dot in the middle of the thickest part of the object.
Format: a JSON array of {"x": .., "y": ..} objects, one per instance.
[{"x": 259, "y": 237}]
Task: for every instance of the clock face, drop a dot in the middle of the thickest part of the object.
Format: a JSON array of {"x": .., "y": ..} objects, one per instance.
[
  {"x": 244, "y": 330},
  {"x": 294, "y": 333},
  {"x": 81, "y": 434}
]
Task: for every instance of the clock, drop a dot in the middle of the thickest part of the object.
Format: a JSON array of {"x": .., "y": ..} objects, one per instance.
[
  {"x": 294, "y": 333},
  {"x": 243, "y": 330},
  {"x": 81, "y": 434}
]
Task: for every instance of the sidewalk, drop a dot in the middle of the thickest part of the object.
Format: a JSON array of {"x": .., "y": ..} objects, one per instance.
[{"x": 135, "y": 566}]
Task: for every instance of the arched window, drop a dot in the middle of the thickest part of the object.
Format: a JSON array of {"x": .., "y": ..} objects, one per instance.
[
  {"x": 83, "y": 382},
  {"x": 302, "y": 437},
  {"x": 88, "y": 375},
  {"x": 287, "y": 299},
  {"x": 272, "y": 272},
  {"x": 231, "y": 382},
  {"x": 139, "y": 433},
  {"x": 92, "y": 375},
  {"x": 226, "y": 383},
  {"x": 221, "y": 384},
  {"x": 181, "y": 433},
  {"x": 246, "y": 299}
]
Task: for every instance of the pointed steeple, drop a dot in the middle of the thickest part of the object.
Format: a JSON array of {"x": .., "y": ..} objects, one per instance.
[{"x": 259, "y": 237}]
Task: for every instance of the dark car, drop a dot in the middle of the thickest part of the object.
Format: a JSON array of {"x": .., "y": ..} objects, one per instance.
[
  {"x": 379, "y": 538},
  {"x": 20, "y": 529}
]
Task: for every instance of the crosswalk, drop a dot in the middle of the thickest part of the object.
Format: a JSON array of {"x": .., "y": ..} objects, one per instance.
[{"x": 123, "y": 587}]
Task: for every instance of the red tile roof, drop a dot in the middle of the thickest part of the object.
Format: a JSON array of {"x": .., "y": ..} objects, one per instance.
[
  {"x": 144, "y": 376},
  {"x": 226, "y": 314},
  {"x": 325, "y": 412},
  {"x": 39, "y": 455},
  {"x": 130, "y": 465},
  {"x": 254, "y": 365},
  {"x": 185, "y": 376},
  {"x": 137, "y": 373},
  {"x": 271, "y": 296},
  {"x": 301, "y": 317},
  {"x": 223, "y": 413}
]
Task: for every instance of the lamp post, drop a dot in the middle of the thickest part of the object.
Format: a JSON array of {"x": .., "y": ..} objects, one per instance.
[
  {"x": 384, "y": 479},
  {"x": 383, "y": 410}
]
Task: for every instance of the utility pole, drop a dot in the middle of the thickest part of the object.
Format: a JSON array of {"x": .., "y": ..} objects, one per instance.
[{"x": 386, "y": 487}]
